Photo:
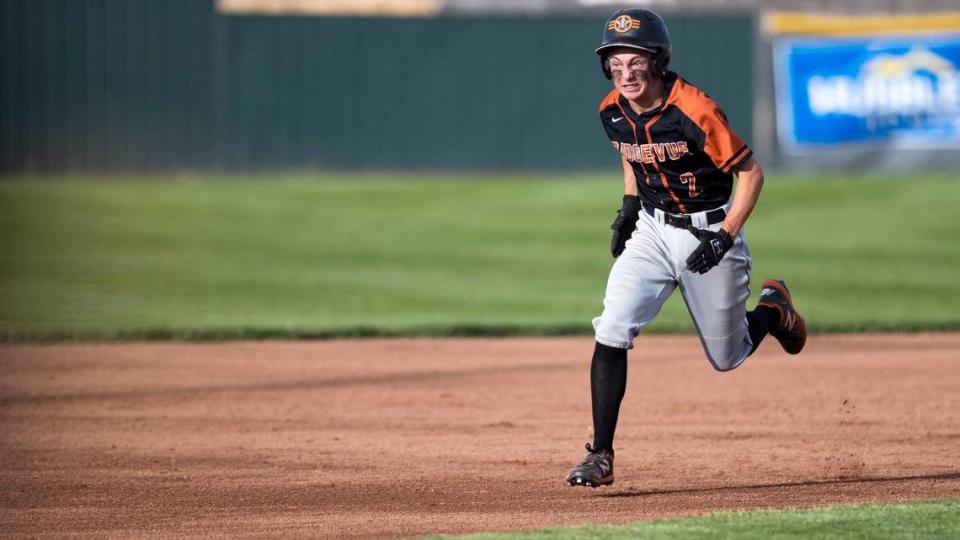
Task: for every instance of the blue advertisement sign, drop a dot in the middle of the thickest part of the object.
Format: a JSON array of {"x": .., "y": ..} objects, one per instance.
[{"x": 901, "y": 91}]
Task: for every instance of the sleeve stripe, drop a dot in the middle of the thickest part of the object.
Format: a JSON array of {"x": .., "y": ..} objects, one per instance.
[
  {"x": 609, "y": 99},
  {"x": 728, "y": 164},
  {"x": 741, "y": 157}
]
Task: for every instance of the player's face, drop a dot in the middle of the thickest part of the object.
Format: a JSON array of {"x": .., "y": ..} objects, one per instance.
[{"x": 632, "y": 72}]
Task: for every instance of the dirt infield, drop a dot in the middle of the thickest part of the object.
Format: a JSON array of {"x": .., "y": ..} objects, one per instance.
[{"x": 409, "y": 437}]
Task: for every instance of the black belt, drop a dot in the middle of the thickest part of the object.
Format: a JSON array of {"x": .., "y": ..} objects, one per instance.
[{"x": 684, "y": 221}]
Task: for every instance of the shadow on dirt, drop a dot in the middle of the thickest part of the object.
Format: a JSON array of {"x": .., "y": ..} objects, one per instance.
[{"x": 863, "y": 480}]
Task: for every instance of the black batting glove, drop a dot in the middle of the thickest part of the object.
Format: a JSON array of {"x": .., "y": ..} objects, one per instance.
[
  {"x": 624, "y": 224},
  {"x": 713, "y": 246}
]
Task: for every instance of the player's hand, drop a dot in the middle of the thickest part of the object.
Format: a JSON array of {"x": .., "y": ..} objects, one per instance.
[
  {"x": 624, "y": 224},
  {"x": 713, "y": 246}
]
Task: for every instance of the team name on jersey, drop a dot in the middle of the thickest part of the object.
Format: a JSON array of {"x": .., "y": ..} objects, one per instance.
[{"x": 648, "y": 153}]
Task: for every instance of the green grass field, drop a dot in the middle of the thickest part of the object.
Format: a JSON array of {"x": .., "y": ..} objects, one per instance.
[
  {"x": 335, "y": 255},
  {"x": 927, "y": 519}
]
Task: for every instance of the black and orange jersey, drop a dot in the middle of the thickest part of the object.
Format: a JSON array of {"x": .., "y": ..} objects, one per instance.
[{"x": 683, "y": 152}]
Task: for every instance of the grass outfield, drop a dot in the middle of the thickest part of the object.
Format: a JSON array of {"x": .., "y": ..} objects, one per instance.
[
  {"x": 927, "y": 519},
  {"x": 202, "y": 257}
]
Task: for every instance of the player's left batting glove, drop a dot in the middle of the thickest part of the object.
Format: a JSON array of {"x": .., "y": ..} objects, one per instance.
[{"x": 713, "y": 246}]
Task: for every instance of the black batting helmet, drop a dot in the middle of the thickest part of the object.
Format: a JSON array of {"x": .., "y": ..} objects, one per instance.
[{"x": 636, "y": 28}]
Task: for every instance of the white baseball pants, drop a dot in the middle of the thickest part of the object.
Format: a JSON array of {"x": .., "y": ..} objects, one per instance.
[{"x": 651, "y": 266}]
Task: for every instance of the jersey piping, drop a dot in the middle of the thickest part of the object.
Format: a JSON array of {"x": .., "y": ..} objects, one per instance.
[{"x": 633, "y": 125}]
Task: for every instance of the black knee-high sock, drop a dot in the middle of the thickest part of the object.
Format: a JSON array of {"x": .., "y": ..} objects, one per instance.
[
  {"x": 759, "y": 323},
  {"x": 608, "y": 382}
]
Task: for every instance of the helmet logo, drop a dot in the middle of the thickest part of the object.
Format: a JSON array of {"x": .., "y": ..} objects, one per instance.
[{"x": 623, "y": 23}]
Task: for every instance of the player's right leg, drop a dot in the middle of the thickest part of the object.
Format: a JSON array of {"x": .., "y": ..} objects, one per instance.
[{"x": 639, "y": 283}]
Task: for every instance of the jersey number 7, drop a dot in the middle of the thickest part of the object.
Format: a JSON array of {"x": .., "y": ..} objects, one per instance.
[{"x": 691, "y": 181}]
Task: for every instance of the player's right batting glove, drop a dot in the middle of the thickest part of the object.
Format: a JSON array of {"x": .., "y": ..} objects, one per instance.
[
  {"x": 713, "y": 246},
  {"x": 625, "y": 223}
]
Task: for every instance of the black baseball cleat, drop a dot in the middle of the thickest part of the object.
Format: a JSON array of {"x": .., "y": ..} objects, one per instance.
[
  {"x": 595, "y": 470},
  {"x": 792, "y": 330}
]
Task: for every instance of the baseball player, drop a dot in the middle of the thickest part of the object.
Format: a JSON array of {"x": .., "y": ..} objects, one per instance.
[{"x": 678, "y": 225}]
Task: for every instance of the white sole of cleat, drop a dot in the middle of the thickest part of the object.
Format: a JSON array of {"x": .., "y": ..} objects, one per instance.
[{"x": 586, "y": 483}]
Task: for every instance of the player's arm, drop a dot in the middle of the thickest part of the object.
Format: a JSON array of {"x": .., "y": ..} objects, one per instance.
[
  {"x": 714, "y": 245},
  {"x": 626, "y": 220},
  {"x": 629, "y": 178},
  {"x": 729, "y": 153},
  {"x": 749, "y": 184}
]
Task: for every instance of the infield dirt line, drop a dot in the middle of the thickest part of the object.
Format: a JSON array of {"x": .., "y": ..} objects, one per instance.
[{"x": 390, "y": 437}]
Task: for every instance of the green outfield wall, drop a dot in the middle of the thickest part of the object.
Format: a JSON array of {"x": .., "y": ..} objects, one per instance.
[{"x": 160, "y": 85}]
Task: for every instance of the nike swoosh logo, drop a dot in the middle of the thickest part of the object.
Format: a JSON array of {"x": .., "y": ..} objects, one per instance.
[{"x": 615, "y": 119}]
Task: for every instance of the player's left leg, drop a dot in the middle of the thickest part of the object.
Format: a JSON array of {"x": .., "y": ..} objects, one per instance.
[{"x": 717, "y": 303}]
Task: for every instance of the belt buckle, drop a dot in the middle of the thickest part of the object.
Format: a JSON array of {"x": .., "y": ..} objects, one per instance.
[{"x": 679, "y": 221}]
